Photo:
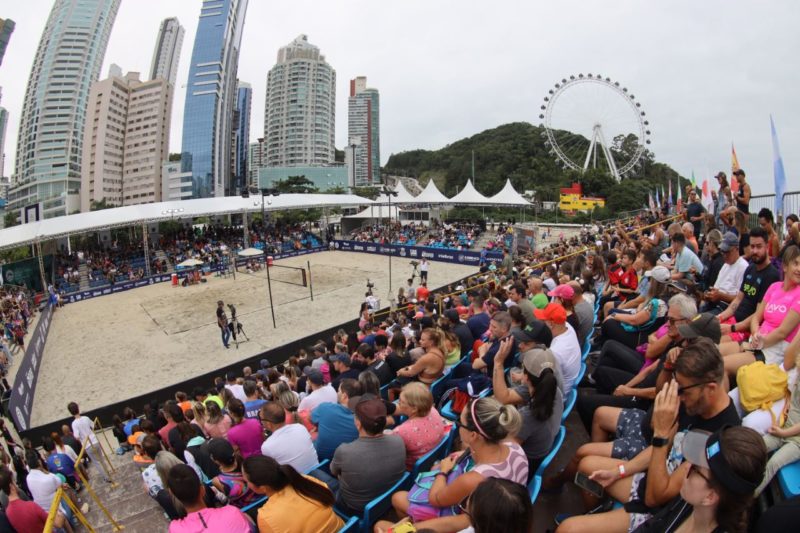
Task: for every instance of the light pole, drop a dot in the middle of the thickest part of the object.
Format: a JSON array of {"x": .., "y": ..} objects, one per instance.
[{"x": 389, "y": 193}]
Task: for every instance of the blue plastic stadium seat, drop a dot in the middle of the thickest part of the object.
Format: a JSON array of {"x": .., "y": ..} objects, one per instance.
[
  {"x": 559, "y": 440},
  {"x": 789, "y": 479},
  {"x": 324, "y": 466},
  {"x": 581, "y": 373},
  {"x": 377, "y": 507},
  {"x": 534, "y": 487},
  {"x": 255, "y": 505},
  {"x": 350, "y": 526},
  {"x": 569, "y": 404}
]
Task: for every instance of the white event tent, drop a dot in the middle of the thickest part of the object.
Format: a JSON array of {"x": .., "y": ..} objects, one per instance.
[
  {"x": 55, "y": 228},
  {"x": 508, "y": 196}
]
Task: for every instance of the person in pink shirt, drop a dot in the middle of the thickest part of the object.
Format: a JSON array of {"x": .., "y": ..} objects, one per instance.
[
  {"x": 776, "y": 320},
  {"x": 216, "y": 424},
  {"x": 246, "y": 434},
  {"x": 424, "y": 428},
  {"x": 186, "y": 487}
]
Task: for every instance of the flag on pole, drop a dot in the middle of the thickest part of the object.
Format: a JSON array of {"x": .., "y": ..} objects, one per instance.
[
  {"x": 669, "y": 193},
  {"x": 679, "y": 201},
  {"x": 658, "y": 199},
  {"x": 652, "y": 203},
  {"x": 694, "y": 183},
  {"x": 734, "y": 168},
  {"x": 777, "y": 169},
  {"x": 708, "y": 202}
]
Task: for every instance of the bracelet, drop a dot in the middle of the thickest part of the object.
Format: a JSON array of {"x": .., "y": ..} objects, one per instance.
[
  {"x": 621, "y": 469},
  {"x": 440, "y": 473},
  {"x": 668, "y": 367},
  {"x": 733, "y": 327}
]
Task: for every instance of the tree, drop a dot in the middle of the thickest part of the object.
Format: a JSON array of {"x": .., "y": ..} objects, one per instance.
[
  {"x": 10, "y": 219},
  {"x": 174, "y": 157},
  {"x": 295, "y": 185},
  {"x": 99, "y": 206}
]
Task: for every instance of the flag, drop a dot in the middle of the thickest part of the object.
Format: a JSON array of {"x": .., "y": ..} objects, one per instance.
[
  {"x": 734, "y": 168},
  {"x": 777, "y": 170},
  {"x": 669, "y": 194},
  {"x": 652, "y": 203},
  {"x": 708, "y": 202},
  {"x": 658, "y": 199},
  {"x": 679, "y": 201},
  {"x": 694, "y": 183}
]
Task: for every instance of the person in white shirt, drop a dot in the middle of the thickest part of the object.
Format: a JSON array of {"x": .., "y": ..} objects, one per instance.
[
  {"x": 423, "y": 270},
  {"x": 729, "y": 279},
  {"x": 43, "y": 486},
  {"x": 236, "y": 389},
  {"x": 288, "y": 444},
  {"x": 564, "y": 345},
  {"x": 83, "y": 428},
  {"x": 320, "y": 393}
]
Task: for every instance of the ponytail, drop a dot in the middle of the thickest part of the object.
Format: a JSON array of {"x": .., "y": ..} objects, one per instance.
[
  {"x": 544, "y": 394},
  {"x": 264, "y": 471}
]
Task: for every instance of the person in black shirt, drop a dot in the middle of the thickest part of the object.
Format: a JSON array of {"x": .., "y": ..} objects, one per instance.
[
  {"x": 695, "y": 213},
  {"x": 712, "y": 258},
  {"x": 342, "y": 365},
  {"x": 398, "y": 357},
  {"x": 453, "y": 322},
  {"x": 380, "y": 368},
  {"x": 735, "y": 320}
]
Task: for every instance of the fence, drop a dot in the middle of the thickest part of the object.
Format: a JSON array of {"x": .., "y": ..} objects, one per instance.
[{"x": 791, "y": 205}]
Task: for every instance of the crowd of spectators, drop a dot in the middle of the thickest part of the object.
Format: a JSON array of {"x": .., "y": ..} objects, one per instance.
[{"x": 452, "y": 235}]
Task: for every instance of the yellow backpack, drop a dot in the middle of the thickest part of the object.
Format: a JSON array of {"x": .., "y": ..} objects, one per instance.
[{"x": 761, "y": 385}]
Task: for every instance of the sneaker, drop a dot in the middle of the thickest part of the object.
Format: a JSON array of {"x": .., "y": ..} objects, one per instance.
[{"x": 85, "y": 508}]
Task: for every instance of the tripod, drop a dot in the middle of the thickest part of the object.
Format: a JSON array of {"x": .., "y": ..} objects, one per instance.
[{"x": 236, "y": 327}]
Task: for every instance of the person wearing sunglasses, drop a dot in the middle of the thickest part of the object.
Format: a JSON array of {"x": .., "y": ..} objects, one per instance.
[{"x": 693, "y": 398}]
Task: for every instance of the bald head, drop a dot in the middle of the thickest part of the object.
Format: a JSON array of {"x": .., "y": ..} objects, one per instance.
[
  {"x": 534, "y": 285},
  {"x": 576, "y": 287}
]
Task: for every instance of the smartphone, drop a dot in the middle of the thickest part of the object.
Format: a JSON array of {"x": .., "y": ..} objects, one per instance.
[{"x": 589, "y": 485}]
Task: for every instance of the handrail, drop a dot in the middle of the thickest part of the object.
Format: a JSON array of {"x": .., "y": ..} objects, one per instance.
[
  {"x": 97, "y": 424},
  {"x": 51, "y": 515},
  {"x": 90, "y": 490},
  {"x": 636, "y": 230}
]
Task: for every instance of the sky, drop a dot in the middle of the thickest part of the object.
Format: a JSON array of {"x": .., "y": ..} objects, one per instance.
[{"x": 708, "y": 74}]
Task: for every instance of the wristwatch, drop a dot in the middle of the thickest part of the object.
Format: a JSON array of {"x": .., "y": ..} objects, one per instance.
[{"x": 658, "y": 442}]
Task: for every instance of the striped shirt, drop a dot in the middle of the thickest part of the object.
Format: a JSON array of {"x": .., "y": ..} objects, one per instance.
[{"x": 514, "y": 468}]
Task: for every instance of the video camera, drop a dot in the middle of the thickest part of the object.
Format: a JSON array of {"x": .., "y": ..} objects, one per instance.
[
  {"x": 232, "y": 309},
  {"x": 415, "y": 264}
]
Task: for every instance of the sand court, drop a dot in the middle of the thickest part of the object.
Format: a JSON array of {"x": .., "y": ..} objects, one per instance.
[{"x": 119, "y": 346}]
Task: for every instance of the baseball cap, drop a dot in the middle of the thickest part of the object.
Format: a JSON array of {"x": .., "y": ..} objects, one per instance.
[
  {"x": 738, "y": 172},
  {"x": 729, "y": 240},
  {"x": 702, "y": 325},
  {"x": 341, "y": 357},
  {"x": 264, "y": 363},
  {"x": 319, "y": 348},
  {"x": 565, "y": 292},
  {"x": 371, "y": 413},
  {"x": 704, "y": 449},
  {"x": 452, "y": 316},
  {"x": 314, "y": 375},
  {"x": 230, "y": 376},
  {"x": 220, "y": 450},
  {"x": 535, "y": 361},
  {"x": 553, "y": 313},
  {"x": 720, "y": 174},
  {"x": 540, "y": 301},
  {"x": 537, "y": 331},
  {"x": 659, "y": 273}
]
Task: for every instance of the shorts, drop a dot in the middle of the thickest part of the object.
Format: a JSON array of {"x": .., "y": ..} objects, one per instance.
[
  {"x": 630, "y": 441},
  {"x": 638, "y": 488},
  {"x": 737, "y": 336},
  {"x": 774, "y": 354}
]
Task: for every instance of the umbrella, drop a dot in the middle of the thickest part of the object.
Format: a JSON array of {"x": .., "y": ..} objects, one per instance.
[
  {"x": 189, "y": 263},
  {"x": 250, "y": 252}
]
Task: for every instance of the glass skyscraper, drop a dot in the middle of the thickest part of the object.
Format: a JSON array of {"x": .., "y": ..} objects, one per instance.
[
  {"x": 50, "y": 142},
  {"x": 6, "y": 28},
  {"x": 363, "y": 132},
  {"x": 241, "y": 141},
  {"x": 211, "y": 97}
]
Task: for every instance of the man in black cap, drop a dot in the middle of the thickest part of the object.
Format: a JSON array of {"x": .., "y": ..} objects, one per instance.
[
  {"x": 461, "y": 330},
  {"x": 341, "y": 363}
]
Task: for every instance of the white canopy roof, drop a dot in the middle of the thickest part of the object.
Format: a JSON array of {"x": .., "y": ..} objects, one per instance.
[
  {"x": 508, "y": 196},
  {"x": 469, "y": 195},
  {"x": 431, "y": 195},
  {"x": 378, "y": 212},
  {"x": 403, "y": 196},
  {"x": 53, "y": 228}
]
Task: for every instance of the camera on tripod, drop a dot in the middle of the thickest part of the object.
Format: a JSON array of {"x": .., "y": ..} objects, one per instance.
[
  {"x": 415, "y": 264},
  {"x": 233, "y": 310}
]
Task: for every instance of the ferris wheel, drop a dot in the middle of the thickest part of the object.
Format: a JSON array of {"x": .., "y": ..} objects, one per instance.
[{"x": 582, "y": 113}]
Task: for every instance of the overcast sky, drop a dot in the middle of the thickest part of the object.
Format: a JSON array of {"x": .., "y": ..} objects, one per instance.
[{"x": 707, "y": 73}]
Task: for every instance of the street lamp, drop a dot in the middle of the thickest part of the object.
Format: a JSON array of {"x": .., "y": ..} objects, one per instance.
[{"x": 389, "y": 193}]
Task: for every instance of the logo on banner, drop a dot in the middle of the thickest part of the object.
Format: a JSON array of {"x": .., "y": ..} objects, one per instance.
[{"x": 402, "y": 251}]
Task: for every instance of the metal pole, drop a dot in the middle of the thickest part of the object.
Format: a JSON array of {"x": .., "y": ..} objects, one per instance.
[
  {"x": 146, "y": 245},
  {"x": 390, "y": 251},
  {"x": 310, "y": 282},
  {"x": 271, "y": 306}
]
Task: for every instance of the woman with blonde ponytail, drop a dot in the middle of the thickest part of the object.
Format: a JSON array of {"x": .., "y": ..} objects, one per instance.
[{"x": 486, "y": 428}]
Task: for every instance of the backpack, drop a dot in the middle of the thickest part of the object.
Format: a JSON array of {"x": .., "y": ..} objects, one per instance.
[
  {"x": 760, "y": 385},
  {"x": 419, "y": 493},
  {"x": 466, "y": 389}
]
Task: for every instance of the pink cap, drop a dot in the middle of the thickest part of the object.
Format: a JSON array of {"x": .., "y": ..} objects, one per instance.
[{"x": 565, "y": 292}]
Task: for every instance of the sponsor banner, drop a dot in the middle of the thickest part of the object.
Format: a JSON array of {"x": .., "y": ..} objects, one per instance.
[
  {"x": 21, "y": 400},
  {"x": 446, "y": 255}
]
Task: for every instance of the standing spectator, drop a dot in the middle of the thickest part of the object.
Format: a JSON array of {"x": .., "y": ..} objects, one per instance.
[
  {"x": 185, "y": 486},
  {"x": 369, "y": 466},
  {"x": 222, "y": 323},
  {"x": 743, "y": 196},
  {"x": 695, "y": 212},
  {"x": 83, "y": 428},
  {"x": 25, "y": 515}
]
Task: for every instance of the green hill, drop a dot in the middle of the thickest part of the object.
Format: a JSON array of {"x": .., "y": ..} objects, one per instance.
[{"x": 517, "y": 151}]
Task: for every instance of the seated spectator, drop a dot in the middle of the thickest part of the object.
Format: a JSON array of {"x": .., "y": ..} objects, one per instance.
[
  {"x": 185, "y": 487},
  {"x": 217, "y": 424},
  {"x": 343, "y": 366},
  {"x": 335, "y": 422},
  {"x": 687, "y": 265},
  {"x": 499, "y": 329},
  {"x": 730, "y": 276},
  {"x": 320, "y": 392},
  {"x": 297, "y": 503},
  {"x": 229, "y": 481},
  {"x": 484, "y": 427},
  {"x": 372, "y": 364},
  {"x": 397, "y": 356},
  {"x": 430, "y": 366},
  {"x": 564, "y": 345},
  {"x": 155, "y": 474},
  {"x": 499, "y": 505},
  {"x": 424, "y": 428},
  {"x": 631, "y": 327},
  {"x": 25, "y": 515},
  {"x": 369, "y": 466},
  {"x": 254, "y": 401},
  {"x": 245, "y": 434},
  {"x": 460, "y": 328},
  {"x": 288, "y": 444},
  {"x": 716, "y": 490}
]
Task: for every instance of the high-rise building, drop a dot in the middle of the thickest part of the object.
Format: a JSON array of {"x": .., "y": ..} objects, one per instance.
[
  {"x": 300, "y": 110},
  {"x": 126, "y": 140},
  {"x": 241, "y": 136},
  {"x": 211, "y": 97},
  {"x": 3, "y": 127},
  {"x": 255, "y": 161},
  {"x": 50, "y": 142},
  {"x": 363, "y": 132},
  {"x": 167, "y": 52},
  {"x": 175, "y": 185},
  {"x": 6, "y": 28}
]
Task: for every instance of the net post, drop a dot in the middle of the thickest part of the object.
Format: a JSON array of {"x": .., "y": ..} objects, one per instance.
[
  {"x": 310, "y": 282},
  {"x": 271, "y": 304}
]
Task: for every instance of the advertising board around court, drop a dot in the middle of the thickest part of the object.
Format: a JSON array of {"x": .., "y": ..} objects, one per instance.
[
  {"x": 446, "y": 255},
  {"x": 21, "y": 401}
]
